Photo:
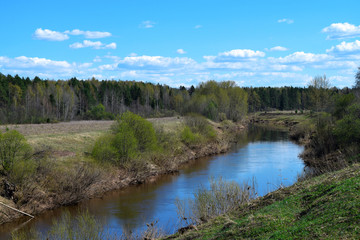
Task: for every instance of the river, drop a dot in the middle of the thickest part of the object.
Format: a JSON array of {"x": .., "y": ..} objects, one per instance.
[{"x": 264, "y": 154}]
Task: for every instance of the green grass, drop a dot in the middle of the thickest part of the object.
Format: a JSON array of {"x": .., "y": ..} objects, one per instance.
[{"x": 325, "y": 207}]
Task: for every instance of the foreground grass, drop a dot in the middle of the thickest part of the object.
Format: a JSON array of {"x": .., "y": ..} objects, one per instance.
[{"x": 325, "y": 207}]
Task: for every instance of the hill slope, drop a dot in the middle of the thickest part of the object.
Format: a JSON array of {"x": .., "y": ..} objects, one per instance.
[{"x": 324, "y": 207}]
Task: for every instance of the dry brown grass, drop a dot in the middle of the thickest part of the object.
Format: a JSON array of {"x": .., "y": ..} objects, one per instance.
[{"x": 67, "y": 139}]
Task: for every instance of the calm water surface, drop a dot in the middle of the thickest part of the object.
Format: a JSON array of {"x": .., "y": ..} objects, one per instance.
[{"x": 267, "y": 155}]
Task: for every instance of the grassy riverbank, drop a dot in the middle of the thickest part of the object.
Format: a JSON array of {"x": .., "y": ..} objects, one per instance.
[
  {"x": 62, "y": 171},
  {"x": 324, "y": 207}
]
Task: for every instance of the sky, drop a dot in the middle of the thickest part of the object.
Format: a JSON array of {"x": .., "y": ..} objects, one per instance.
[{"x": 181, "y": 42}]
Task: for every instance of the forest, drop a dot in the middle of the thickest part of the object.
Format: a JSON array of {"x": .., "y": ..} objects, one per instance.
[{"x": 25, "y": 100}]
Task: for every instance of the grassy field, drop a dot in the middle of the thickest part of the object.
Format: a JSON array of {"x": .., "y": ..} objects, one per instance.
[
  {"x": 278, "y": 117},
  {"x": 325, "y": 207},
  {"x": 67, "y": 139}
]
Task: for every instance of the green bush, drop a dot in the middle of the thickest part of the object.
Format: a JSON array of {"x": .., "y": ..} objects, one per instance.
[
  {"x": 143, "y": 130},
  {"x": 125, "y": 142},
  {"x": 198, "y": 125},
  {"x": 98, "y": 112},
  {"x": 103, "y": 149},
  {"x": 347, "y": 130},
  {"x": 131, "y": 136},
  {"x": 13, "y": 148},
  {"x": 196, "y": 122},
  {"x": 188, "y": 137},
  {"x": 22, "y": 171}
]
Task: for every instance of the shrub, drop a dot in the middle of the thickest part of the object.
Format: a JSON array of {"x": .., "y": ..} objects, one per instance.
[
  {"x": 131, "y": 135},
  {"x": 103, "y": 149},
  {"x": 222, "y": 197},
  {"x": 125, "y": 142},
  {"x": 143, "y": 130},
  {"x": 347, "y": 130},
  {"x": 199, "y": 129},
  {"x": 23, "y": 170},
  {"x": 188, "y": 137},
  {"x": 196, "y": 122},
  {"x": 98, "y": 112},
  {"x": 13, "y": 148}
]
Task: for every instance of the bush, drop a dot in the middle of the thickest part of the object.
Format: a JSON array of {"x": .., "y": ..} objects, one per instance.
[
  {"x": 188, "y": 137},
  {"x": 143, "y": 130},
  {"x": 222, "y": 197},
  {"x": 196, "y": 122},
  {"x": 125, "y": 142},
  {"x": 23, "y": 170},
  {"x": 103, "y": 149},
  {"x": 98, "y": 112},
  {"x": 347, "y": 130},
  {"x": 198, "y": 125},
  {"x": 131, "y": 136},
  {"x": 13, "y": 148}
]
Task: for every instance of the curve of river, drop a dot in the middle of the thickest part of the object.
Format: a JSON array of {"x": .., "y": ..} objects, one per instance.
[{"x": 267, "y": 155}]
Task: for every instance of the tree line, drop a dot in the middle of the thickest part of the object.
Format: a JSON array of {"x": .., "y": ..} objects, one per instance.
[{"x": 25, "y": 100}]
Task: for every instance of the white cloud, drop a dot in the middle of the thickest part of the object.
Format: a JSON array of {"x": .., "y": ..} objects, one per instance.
[
  {"x": 236, "y": 55},
  {"x": 198, "y": 26},
  {"x": 180, "y": 51},
  {"x": 155, "y": 63},
  {"x": 278, "y": 48},
  {"x": 46, "y": 34},
  {"x": 94, "y": 45},
  {"x": 302, "y": 58},
  {"x": 345, "y": 48},
  {"x": 43, "y": 67},
  {"x": 89, "y": 34},
  {"x": 243, "y": 53},
  {"x": 342, "y": 30},
  {"x": 285, "y": 20},
  {"x": 23, "y": 62},
  {"x": 147, "y": 24},
  {"x": 97, "y": 59}
]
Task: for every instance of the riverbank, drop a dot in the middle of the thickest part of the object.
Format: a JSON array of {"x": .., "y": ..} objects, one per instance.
[
  {"x": 327, "y": 206},
  {"x": 68, "y": 144},
  {"x": 324, "y": 205}
]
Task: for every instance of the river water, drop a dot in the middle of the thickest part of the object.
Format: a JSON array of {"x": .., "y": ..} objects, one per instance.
[{"x": 264, "y": 154}]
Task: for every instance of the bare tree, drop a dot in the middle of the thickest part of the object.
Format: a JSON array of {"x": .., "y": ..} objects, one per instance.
[{"x": 320, "y": 92}]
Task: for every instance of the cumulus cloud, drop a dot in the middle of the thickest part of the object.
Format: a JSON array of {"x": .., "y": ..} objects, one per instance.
[
  {"x": 147, "y": 24},
  {"x": 236, "y": 55},
  {"x": 245, "y": 66},
  {"x": 345, "y": 48},
  {"x": 43, "y": 67},
  {"x": 155, "y": 62},
  {"x": 285, "y": 20},
  {"x": 302, "y": 58},
  {"x": 88, "y": 34},
  {"x": 180, "y": 51},
  {"x": 278, "y": 48},
  {"x": 46, "y": 34},
  {"x": 341, "y": 31},
  {"x": 23, "y": 62},
  {"x": 94, "y": 45}
]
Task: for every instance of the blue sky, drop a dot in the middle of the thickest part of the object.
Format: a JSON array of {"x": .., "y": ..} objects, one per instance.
[{"x": 254, "y": 43}]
